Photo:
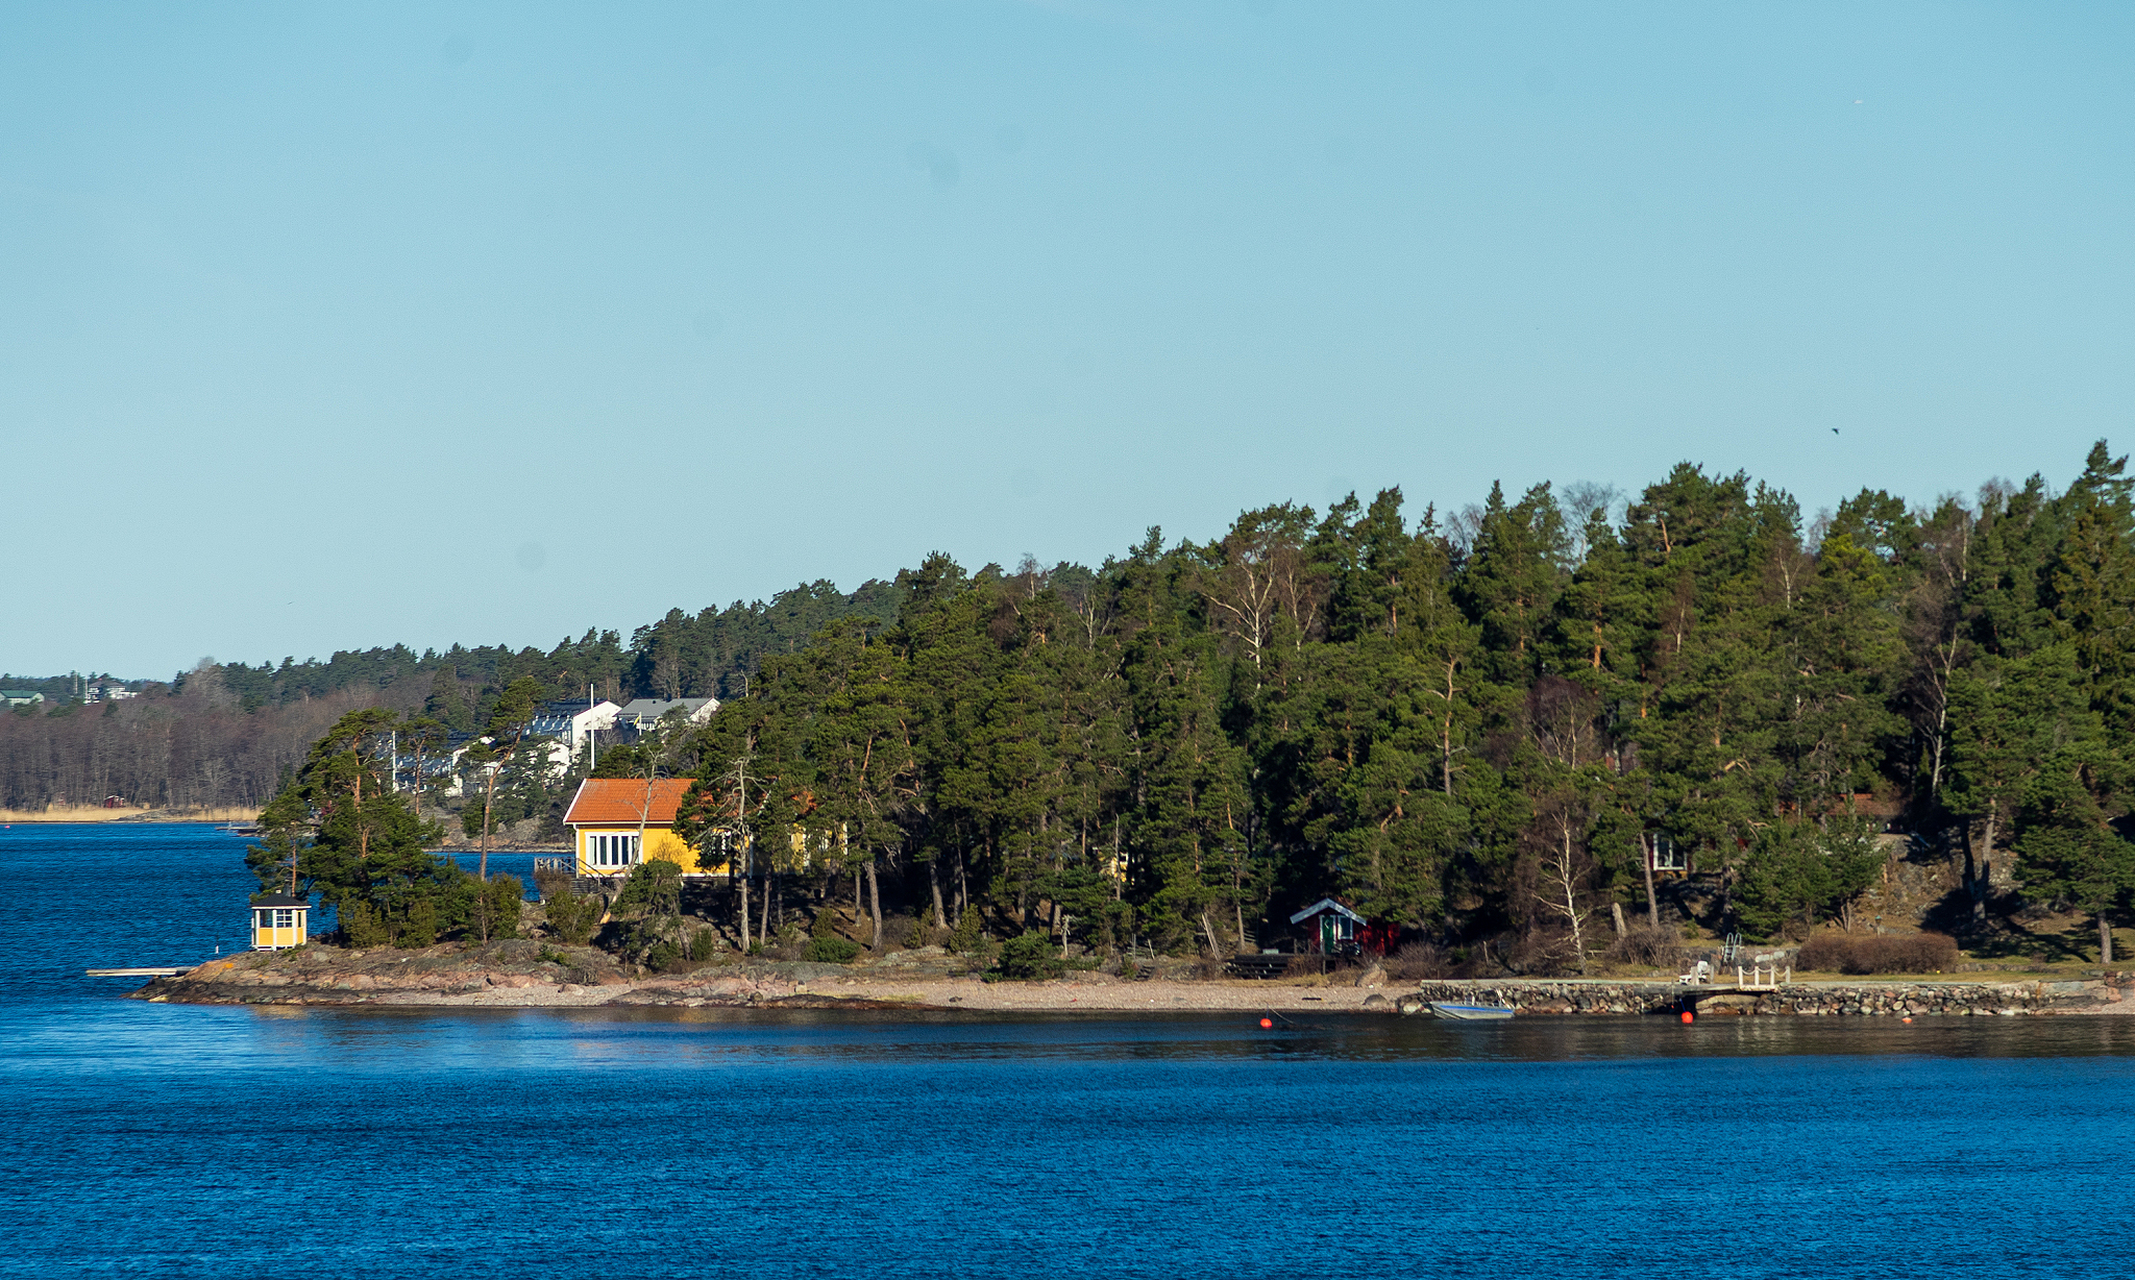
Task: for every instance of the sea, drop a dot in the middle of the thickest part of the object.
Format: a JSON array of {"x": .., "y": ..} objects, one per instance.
[{"x": 164, "y": 1140}]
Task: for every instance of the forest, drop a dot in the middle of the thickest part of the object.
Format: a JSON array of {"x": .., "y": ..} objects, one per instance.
[
  {"x": 1483, "y": 729},
  {"x": 1479, "y": 729}
]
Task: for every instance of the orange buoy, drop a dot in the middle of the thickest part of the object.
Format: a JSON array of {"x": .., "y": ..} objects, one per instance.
[
  {"x": 1686, "y": 1017},
  {"x": 1265, "y": 1023},
  {"x": 1908, "y": 1019}
]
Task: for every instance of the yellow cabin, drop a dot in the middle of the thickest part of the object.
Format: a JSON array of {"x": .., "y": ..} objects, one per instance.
[
  {"x": 616, "y": 823},
  {"x": 280, "y": 921}
]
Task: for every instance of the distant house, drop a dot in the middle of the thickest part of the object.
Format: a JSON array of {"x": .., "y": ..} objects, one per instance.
[
  {"x": 570, "y": 728},
  {"x": 21, "y": 697},
  {"x": 1332, "y": 926},
  {"x": 640, "y": 714},
  {"x": 1665, "y": 856},
  {"x": 617, "y": 823}
]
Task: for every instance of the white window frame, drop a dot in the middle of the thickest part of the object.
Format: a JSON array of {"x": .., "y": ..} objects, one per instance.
[{"x": 612, "y": 851}]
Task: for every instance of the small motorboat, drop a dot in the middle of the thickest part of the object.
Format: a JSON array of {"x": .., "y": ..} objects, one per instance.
[{"x": 1471, "y": 1012}]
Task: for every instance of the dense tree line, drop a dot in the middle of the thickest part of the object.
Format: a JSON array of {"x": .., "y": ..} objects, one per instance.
[
  {"x": 232, "y": 734},
  {"x": 1472, "y": 729},
  {"x": 192, "y": 749}
]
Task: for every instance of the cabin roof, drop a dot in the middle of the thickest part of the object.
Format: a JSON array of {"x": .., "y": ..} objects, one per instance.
[
  {"x": 1323, "y": 906},
  {"x": 626, "y": 801}
]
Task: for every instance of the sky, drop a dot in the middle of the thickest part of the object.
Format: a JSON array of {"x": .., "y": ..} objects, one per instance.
[{"x": 330, "y": 326}]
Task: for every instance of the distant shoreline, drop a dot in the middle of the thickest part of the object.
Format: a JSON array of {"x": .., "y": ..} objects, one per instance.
[
  {"x": 97, "y": 813},
  {"x": 524, "y": 974}
]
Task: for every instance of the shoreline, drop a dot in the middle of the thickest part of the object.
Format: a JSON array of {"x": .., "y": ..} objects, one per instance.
[
  {"x": 521, "y": 974},
  {"x": 96, "y": 814}
]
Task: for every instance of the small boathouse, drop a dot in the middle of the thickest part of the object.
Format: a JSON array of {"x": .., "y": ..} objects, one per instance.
[{"x": 279, "y": 921}]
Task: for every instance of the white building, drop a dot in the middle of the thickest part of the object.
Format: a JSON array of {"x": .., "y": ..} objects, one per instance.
[
  {"x": 570, "y": 727},
  {"x": 640, "y": 714}
]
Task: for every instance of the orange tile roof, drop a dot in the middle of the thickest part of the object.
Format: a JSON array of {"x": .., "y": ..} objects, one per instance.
[{"x": 621, "y": 801}]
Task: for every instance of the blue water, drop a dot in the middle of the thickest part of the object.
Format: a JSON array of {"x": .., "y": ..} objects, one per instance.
[{"x": 141, "y": 1139}]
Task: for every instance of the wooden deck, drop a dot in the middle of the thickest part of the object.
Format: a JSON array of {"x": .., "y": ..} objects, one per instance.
[{"x": 160, "y": 971}]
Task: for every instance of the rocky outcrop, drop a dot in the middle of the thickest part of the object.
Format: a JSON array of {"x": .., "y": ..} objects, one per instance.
[
  {"x": 333, "y": 975},
  {"x": 513, "y": 973},
  {"x": 2113, "y": 993}
]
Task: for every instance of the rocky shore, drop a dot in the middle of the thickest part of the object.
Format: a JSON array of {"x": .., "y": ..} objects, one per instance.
[
  {"x": 527, "y": 974},
  {"x": 2114, "y": 993}
]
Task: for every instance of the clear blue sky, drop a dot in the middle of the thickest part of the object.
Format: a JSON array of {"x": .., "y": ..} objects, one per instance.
[{"x": 339, "y": 325}]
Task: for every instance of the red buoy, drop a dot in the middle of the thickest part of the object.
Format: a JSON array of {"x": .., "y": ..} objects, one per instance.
[
  {"x": 1265, "y": 1023},
  {"x": 1686, "y": 1017}
]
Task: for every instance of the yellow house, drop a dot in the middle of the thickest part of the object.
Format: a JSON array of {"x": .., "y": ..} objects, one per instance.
[
  {"x": 616, "y": 823},
  {"x": 280, "y": 920}
]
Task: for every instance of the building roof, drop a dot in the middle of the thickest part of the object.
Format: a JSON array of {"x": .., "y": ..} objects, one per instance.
[
  {"x": 1322, "y": 906},
  {"x": 279, "y": 900},
  {"x": 626, "y": 801},
  {"x": 653, "y": 708}
]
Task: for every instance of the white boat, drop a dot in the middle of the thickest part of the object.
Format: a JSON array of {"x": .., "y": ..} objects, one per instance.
[{"x": 1471, "y": 1012}]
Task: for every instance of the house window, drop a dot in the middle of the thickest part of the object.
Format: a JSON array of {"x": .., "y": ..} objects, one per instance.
[
  {"x": 1667, "y": 855},
  {"x": 264, "y": 919},
  {"x": 284, "y": 918},
  {"x": 613, "y": 851}
]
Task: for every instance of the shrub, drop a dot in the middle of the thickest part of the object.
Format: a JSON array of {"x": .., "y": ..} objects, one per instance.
[
  {"x": 703, "y": 944},
  {"x": 421, "y": 928},
  {"x": 662, "y": 955},
  {"x": 1414, "y": 961},
  {"x": 831, "y": 950},
  {"x": 572, "y": 918},
  {"x": 548, "y": 882},
  {"x": 1658, "y": 948},
  {"x": 361, "y": 926},
  {"x": 920, "y": 932},
  {"x": 1861, "y": 954},
  {"x": 654, "y": 886},
  {"x": 969, "y": 936},
  {"x": 1030, "y": 957},
  {"x": 496, "y": 907}
]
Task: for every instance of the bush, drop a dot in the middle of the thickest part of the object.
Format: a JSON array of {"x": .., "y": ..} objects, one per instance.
[
  {"x": 662, "y": 955},
  {"x": 831, "y": 950},
  {"x": 969, "y": 935},
  {"x": 654, "y": 886},
  {"x": 1030, "y": 958},
  {"x": 362, "y": 926},
  {"x": 1861, "y": 954},
  {"x": 1415, "y": 961},
  {"x": 919, "y": 933},
  {"x": 1657, "y": 948},
  {"x": 421, "y": 928},
  {"x": 572, "y": 918},
  {"x": 496, "y": 908}
]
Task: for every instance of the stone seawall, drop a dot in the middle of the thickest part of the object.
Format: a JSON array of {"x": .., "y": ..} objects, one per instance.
[{"x": 2112, "y": 994}]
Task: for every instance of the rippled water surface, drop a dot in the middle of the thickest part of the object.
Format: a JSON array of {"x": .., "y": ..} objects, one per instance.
[{"x": 152, "y": 1139}]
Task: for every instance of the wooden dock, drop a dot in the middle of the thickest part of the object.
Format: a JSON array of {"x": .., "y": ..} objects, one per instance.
[{"x": 165, "y": 971}]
